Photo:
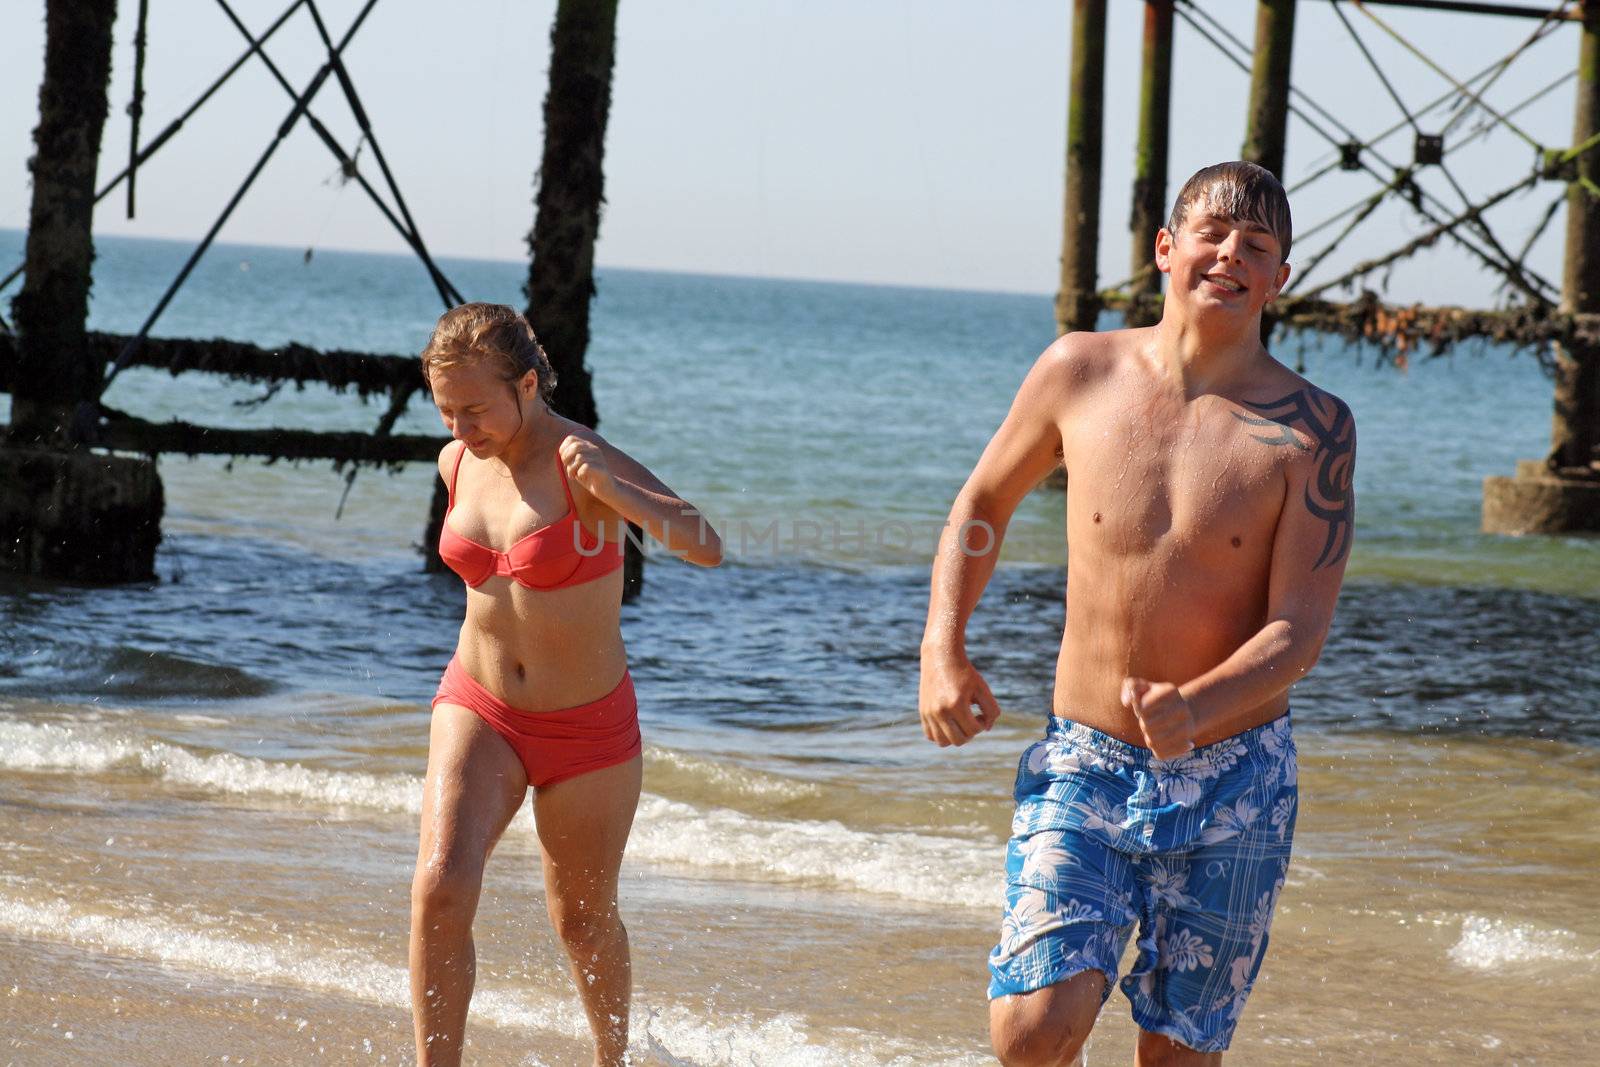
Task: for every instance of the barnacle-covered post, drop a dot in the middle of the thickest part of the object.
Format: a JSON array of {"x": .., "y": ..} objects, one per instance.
[
  {"x": 1077, "y": 301},
  {"x": 1150, "y": 164},
  {"x": 1562, "y": 493},
  {"x": 577, "y": 104},
  {"x": 1268, "y": 126},
  {"x": 1576, "y": 432},
  {"x": 65, "y": 511}
]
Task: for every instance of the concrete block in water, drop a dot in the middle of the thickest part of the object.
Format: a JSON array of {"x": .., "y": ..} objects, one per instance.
[
  {"x": 79, "y": 515},
  {"x": 1537, "y": 501}
]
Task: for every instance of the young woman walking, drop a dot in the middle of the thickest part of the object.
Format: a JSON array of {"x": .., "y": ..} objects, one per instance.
[{"x": 538, "y": 693}]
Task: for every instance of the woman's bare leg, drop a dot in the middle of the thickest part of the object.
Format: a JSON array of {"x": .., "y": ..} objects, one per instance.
[
  {"x": 475, "y": 785},
  {"x": 583, "y": 829}
]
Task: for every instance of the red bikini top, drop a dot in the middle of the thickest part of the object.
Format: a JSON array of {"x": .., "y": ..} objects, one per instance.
[{"x": 548, "y": 558}]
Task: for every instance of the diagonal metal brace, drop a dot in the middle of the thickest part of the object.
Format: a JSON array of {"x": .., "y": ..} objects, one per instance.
[
  {"x": 176, "y": 124},
  {"x": 451, "y": 295},
  {"x": 295, "y": 113},
  {"x": 347, "y": 163}
]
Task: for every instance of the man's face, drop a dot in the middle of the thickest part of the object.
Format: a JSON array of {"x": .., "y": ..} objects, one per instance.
[{"x": 1220, "y": 264}]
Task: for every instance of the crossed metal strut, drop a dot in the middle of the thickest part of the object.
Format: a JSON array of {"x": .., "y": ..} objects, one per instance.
[{"x": 333, "y": 66}]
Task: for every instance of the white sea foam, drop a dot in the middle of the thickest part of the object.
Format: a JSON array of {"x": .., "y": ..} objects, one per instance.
[
  {"x": 668, "y": 1034},
  {"x": 918, "y": 867},
  {"x": 1487, "y": 944},
  {"x": 50, "y": 746},
  {"x": 195, "y": 718},
  {"x": 733, "y": 779},
  {"x": 924, "y": 868}
]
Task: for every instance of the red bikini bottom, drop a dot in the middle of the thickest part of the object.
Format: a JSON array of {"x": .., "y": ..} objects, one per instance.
[{"x": 554, "y": 745}]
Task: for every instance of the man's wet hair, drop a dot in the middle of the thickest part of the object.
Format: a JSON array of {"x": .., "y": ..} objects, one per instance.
[{"x": 1237, "y": 190}]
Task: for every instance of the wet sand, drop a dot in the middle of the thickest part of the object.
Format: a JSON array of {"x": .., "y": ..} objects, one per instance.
[{"x": 1438, "y": 908}]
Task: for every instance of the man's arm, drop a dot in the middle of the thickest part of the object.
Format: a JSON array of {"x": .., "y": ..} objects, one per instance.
[
  {"x": 1309, "y": 552},
  {"x": 1025, "y": 449}
]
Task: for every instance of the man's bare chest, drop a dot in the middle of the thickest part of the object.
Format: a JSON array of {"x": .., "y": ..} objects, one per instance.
[{"x": 1204, "y": 479}]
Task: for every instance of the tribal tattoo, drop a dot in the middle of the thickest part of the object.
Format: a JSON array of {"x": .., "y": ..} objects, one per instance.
[{"x": 1327, "y": 421}]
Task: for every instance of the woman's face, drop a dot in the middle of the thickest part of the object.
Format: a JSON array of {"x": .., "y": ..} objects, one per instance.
[{"x": 481, "y": 408}]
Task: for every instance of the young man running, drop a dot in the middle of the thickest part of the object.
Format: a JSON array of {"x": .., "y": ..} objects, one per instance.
[{"x": 1209, "y": 518}]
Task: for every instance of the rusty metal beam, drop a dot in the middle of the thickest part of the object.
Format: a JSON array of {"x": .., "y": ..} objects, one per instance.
[{"x": 1470, "y": 7}]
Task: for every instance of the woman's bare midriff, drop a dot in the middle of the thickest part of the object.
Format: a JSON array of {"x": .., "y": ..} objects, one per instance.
[{"x": 544, "y": 650}]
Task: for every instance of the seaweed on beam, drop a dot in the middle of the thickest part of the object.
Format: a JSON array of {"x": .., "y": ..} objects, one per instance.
[
  {"x": 127, "y": 433},
  {"x": 1399, "y": 331},
  {"x": 367, "y": 373}
]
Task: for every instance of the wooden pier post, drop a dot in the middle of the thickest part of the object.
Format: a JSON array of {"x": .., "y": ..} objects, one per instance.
[
  {"x": 1150, "y": 164},
  {"x": 55, "y": 372},
  {"x": 1269, "y": 85},
  {"x": 1078, "y": 301},
  {"x": 571, "y": 190},
  {"x": 1575, "y": 435},
  {"x": 577, "y": 105},
  {"x": 1562, "y": 494},
  {"x": 66, "y": 512}
]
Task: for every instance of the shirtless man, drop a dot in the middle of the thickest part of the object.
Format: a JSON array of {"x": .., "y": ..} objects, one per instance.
[{"x": 1209, "y": 517}]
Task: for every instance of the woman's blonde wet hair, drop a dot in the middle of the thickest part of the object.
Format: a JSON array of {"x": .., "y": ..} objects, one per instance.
[{"x": 488, "y": 333}]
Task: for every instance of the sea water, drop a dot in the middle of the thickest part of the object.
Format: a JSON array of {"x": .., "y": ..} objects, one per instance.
[{"x": 209, "y": 784}]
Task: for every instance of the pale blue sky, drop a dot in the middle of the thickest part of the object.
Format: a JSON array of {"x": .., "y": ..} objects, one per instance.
[{"x": 900, "y": 141}]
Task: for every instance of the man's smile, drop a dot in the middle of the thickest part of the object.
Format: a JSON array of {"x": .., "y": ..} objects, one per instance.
[{"x": 1222, "y": 281}]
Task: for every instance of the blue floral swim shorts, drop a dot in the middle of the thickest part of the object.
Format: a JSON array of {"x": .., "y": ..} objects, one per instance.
[{"x": 1192, "y": 851}]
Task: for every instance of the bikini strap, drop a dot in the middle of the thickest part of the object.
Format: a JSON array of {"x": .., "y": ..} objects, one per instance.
[
  {"x": 572, "y": 505},
  {"x": 455, "y": 472},
  {"x": 566, "y": 487}
]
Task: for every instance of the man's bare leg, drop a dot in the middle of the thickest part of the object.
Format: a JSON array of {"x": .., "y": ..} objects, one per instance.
[
  {"x": 474, "y": 786},
  {"x": 1159, "y": 1050},
  {"x": 1047, "y": 1028},
  {"x": 583, "y": 829}
]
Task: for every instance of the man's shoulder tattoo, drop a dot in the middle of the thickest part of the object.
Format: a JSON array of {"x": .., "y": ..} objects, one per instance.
[{"x": 1327, "y": 422}]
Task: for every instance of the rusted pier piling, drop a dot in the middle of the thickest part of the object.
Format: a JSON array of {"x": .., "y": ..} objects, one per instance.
[
  {"x": 59, "y": 502},
  {"x": 1078, "y": 300},
  {"x": 1268, "y": 130},
  {"x": 560, "y": 285},
  {"x": 1562, "y": 493},
  {"x": 1150, "y": 164}
]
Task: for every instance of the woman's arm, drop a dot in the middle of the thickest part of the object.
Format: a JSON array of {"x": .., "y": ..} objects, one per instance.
[{"x": 627, "y": 487}]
